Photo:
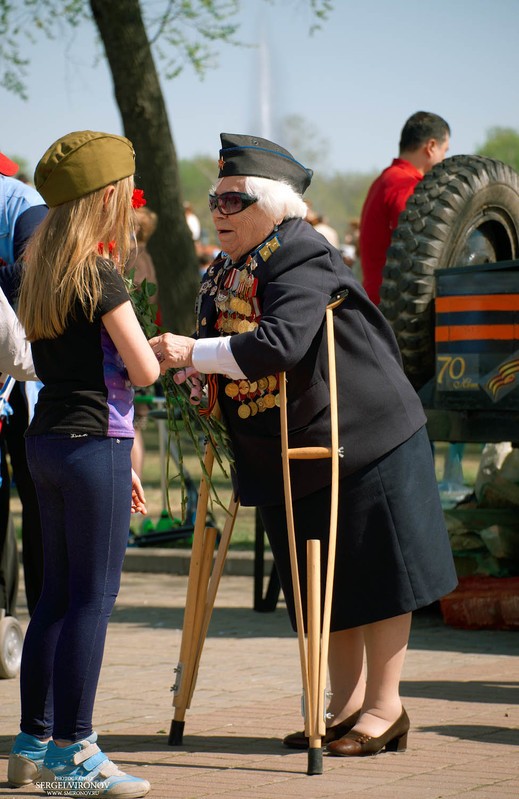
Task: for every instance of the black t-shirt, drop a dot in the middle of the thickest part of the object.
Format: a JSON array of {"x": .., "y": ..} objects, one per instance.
[{"x": 86, "y": 389}]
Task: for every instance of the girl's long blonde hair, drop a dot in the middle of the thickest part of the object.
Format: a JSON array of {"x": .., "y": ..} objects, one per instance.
[{"x": 61, "y": 258}]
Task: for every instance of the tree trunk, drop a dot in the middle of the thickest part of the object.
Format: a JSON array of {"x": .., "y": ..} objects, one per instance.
[{"x": 143, "y": 111}]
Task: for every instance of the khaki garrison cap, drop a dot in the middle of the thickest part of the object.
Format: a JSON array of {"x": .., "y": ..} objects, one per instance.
[{"x": 82, "y": 162}]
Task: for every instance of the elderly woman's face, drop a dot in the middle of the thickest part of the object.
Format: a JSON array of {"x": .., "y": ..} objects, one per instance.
[{"x": 239, "y": 233}]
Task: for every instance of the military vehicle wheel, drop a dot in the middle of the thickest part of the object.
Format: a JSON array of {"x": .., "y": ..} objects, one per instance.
[{"x": 464, "y": 212}]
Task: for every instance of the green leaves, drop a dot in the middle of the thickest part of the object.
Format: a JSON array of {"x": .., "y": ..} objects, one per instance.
[
  {"x": 183, "y": 417},
  {"x": 145, "y": 310},
  {"x": 503, "y": 145},
  {"x": 181, "y": 32}
]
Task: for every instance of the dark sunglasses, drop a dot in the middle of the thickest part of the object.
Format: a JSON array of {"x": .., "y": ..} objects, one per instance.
[{"x": 230, "y": 202}]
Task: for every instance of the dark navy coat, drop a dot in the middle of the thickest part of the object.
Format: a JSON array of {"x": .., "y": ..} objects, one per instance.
[{"x": 378, "y": 408}]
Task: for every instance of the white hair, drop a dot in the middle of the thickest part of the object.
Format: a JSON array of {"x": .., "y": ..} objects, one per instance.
[{"x": 276, "y": 197}]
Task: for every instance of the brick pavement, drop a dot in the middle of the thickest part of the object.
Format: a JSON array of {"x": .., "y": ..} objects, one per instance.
[{"x": 459, "y": 687}]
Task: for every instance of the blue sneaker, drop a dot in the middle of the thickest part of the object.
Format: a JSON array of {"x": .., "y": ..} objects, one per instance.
[
  {"x": 25, "y": 760},
  {"x": 81, "y": 769}
]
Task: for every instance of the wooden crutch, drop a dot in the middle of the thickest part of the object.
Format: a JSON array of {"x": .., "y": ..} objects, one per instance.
[
  {"x": 314, "y": 657},
  {"x": 202, "y": 587}
]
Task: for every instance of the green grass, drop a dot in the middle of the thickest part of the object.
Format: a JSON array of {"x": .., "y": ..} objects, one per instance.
[{"x": 244, "y": 528}]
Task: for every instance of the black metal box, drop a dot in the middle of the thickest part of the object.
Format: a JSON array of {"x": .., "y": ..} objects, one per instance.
[{"x": 477, "y": 337}]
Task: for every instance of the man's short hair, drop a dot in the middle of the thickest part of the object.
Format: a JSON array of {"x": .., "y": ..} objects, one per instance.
[{"x": 421, "y": 127}]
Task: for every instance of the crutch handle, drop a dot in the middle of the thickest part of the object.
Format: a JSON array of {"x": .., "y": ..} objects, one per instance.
[
  {"x": 337, "y": 298},
  {"x": 309, "y": 453}
]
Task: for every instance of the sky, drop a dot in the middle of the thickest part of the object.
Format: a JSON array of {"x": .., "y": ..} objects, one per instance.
[{"x": 354, "y": 82}]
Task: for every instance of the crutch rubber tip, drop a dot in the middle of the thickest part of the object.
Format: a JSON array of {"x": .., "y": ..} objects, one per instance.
[
  {"x": 315, "y": 762},
  {"x": 176, "y": 733}
]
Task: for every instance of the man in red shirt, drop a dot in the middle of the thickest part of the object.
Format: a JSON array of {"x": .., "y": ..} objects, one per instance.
[{"x": 424, "y": 142}]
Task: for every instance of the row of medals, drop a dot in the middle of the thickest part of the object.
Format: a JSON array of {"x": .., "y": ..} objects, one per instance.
[
  {"x": 238, "y": 313},
  {"x": 252, "y": 395},
  {"x": 235, "y": 322}
]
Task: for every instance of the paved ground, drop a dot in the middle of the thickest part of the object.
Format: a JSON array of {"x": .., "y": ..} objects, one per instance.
[{"x": 459, "y": 687}]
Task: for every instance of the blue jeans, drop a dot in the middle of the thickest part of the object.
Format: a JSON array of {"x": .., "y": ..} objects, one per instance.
[{"x": 84, "y": 493}]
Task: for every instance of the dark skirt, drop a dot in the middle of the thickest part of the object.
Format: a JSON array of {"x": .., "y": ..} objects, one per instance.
[{"x": 393, "y": 553}]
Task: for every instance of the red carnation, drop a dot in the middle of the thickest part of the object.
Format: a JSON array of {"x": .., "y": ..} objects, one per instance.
[{"x": 138, "y": 199}]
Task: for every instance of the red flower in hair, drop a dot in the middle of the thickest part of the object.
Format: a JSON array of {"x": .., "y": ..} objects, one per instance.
[
  {"x": 138, "y": 199},
  {"x": 101, "y": 249}
]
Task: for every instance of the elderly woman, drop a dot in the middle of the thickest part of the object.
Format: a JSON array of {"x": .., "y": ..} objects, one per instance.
[{"x": 260, "y": 311}]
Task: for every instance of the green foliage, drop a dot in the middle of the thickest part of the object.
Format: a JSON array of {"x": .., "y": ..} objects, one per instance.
[
  {"x": 503, "y": 145},
  {"x": 180, "y": 32},
  {"x": 22, "y": 22},
  {"x": 186, "y": 30},
  {"x": 183, "y": 416},
  {"x": 321, "y": 9}
]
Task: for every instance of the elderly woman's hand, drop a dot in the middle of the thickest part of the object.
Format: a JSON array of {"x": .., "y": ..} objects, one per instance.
[{"x": 173, "y": 352}]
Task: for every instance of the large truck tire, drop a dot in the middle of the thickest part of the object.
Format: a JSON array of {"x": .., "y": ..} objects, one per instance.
[{"x": 464, "y": 212}]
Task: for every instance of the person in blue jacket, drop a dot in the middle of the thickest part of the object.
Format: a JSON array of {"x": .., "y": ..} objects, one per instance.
[{"x": 22, "y": 209}]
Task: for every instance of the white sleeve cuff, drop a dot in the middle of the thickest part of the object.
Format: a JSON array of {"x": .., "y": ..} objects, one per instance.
[{"x": 214, "y": 355}]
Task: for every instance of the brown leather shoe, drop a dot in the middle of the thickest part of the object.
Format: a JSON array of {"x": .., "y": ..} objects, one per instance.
[
  {"x": 356, "y": 744},
  {"x": 298, "y": 740}
]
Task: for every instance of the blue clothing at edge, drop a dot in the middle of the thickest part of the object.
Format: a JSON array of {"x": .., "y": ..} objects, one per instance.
[{"x": 15, "y": 199}]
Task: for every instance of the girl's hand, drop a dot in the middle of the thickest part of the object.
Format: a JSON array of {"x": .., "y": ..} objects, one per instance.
[{"x": 138, "y": 499}]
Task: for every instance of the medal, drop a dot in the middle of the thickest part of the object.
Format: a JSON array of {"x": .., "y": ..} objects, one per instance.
[
  {"x": 221, "y": 296},
  {"x": 232, "y": 390},
  {"x": 234, "y": 293}
]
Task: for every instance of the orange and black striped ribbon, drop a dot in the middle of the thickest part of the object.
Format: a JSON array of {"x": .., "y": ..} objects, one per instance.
[
  {"x": 478, "y": 304},
  {"x": 212, "y": 395}
]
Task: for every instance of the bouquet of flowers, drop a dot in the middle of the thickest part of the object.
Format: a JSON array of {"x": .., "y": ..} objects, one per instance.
[{"x": 183, "y": 415}]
